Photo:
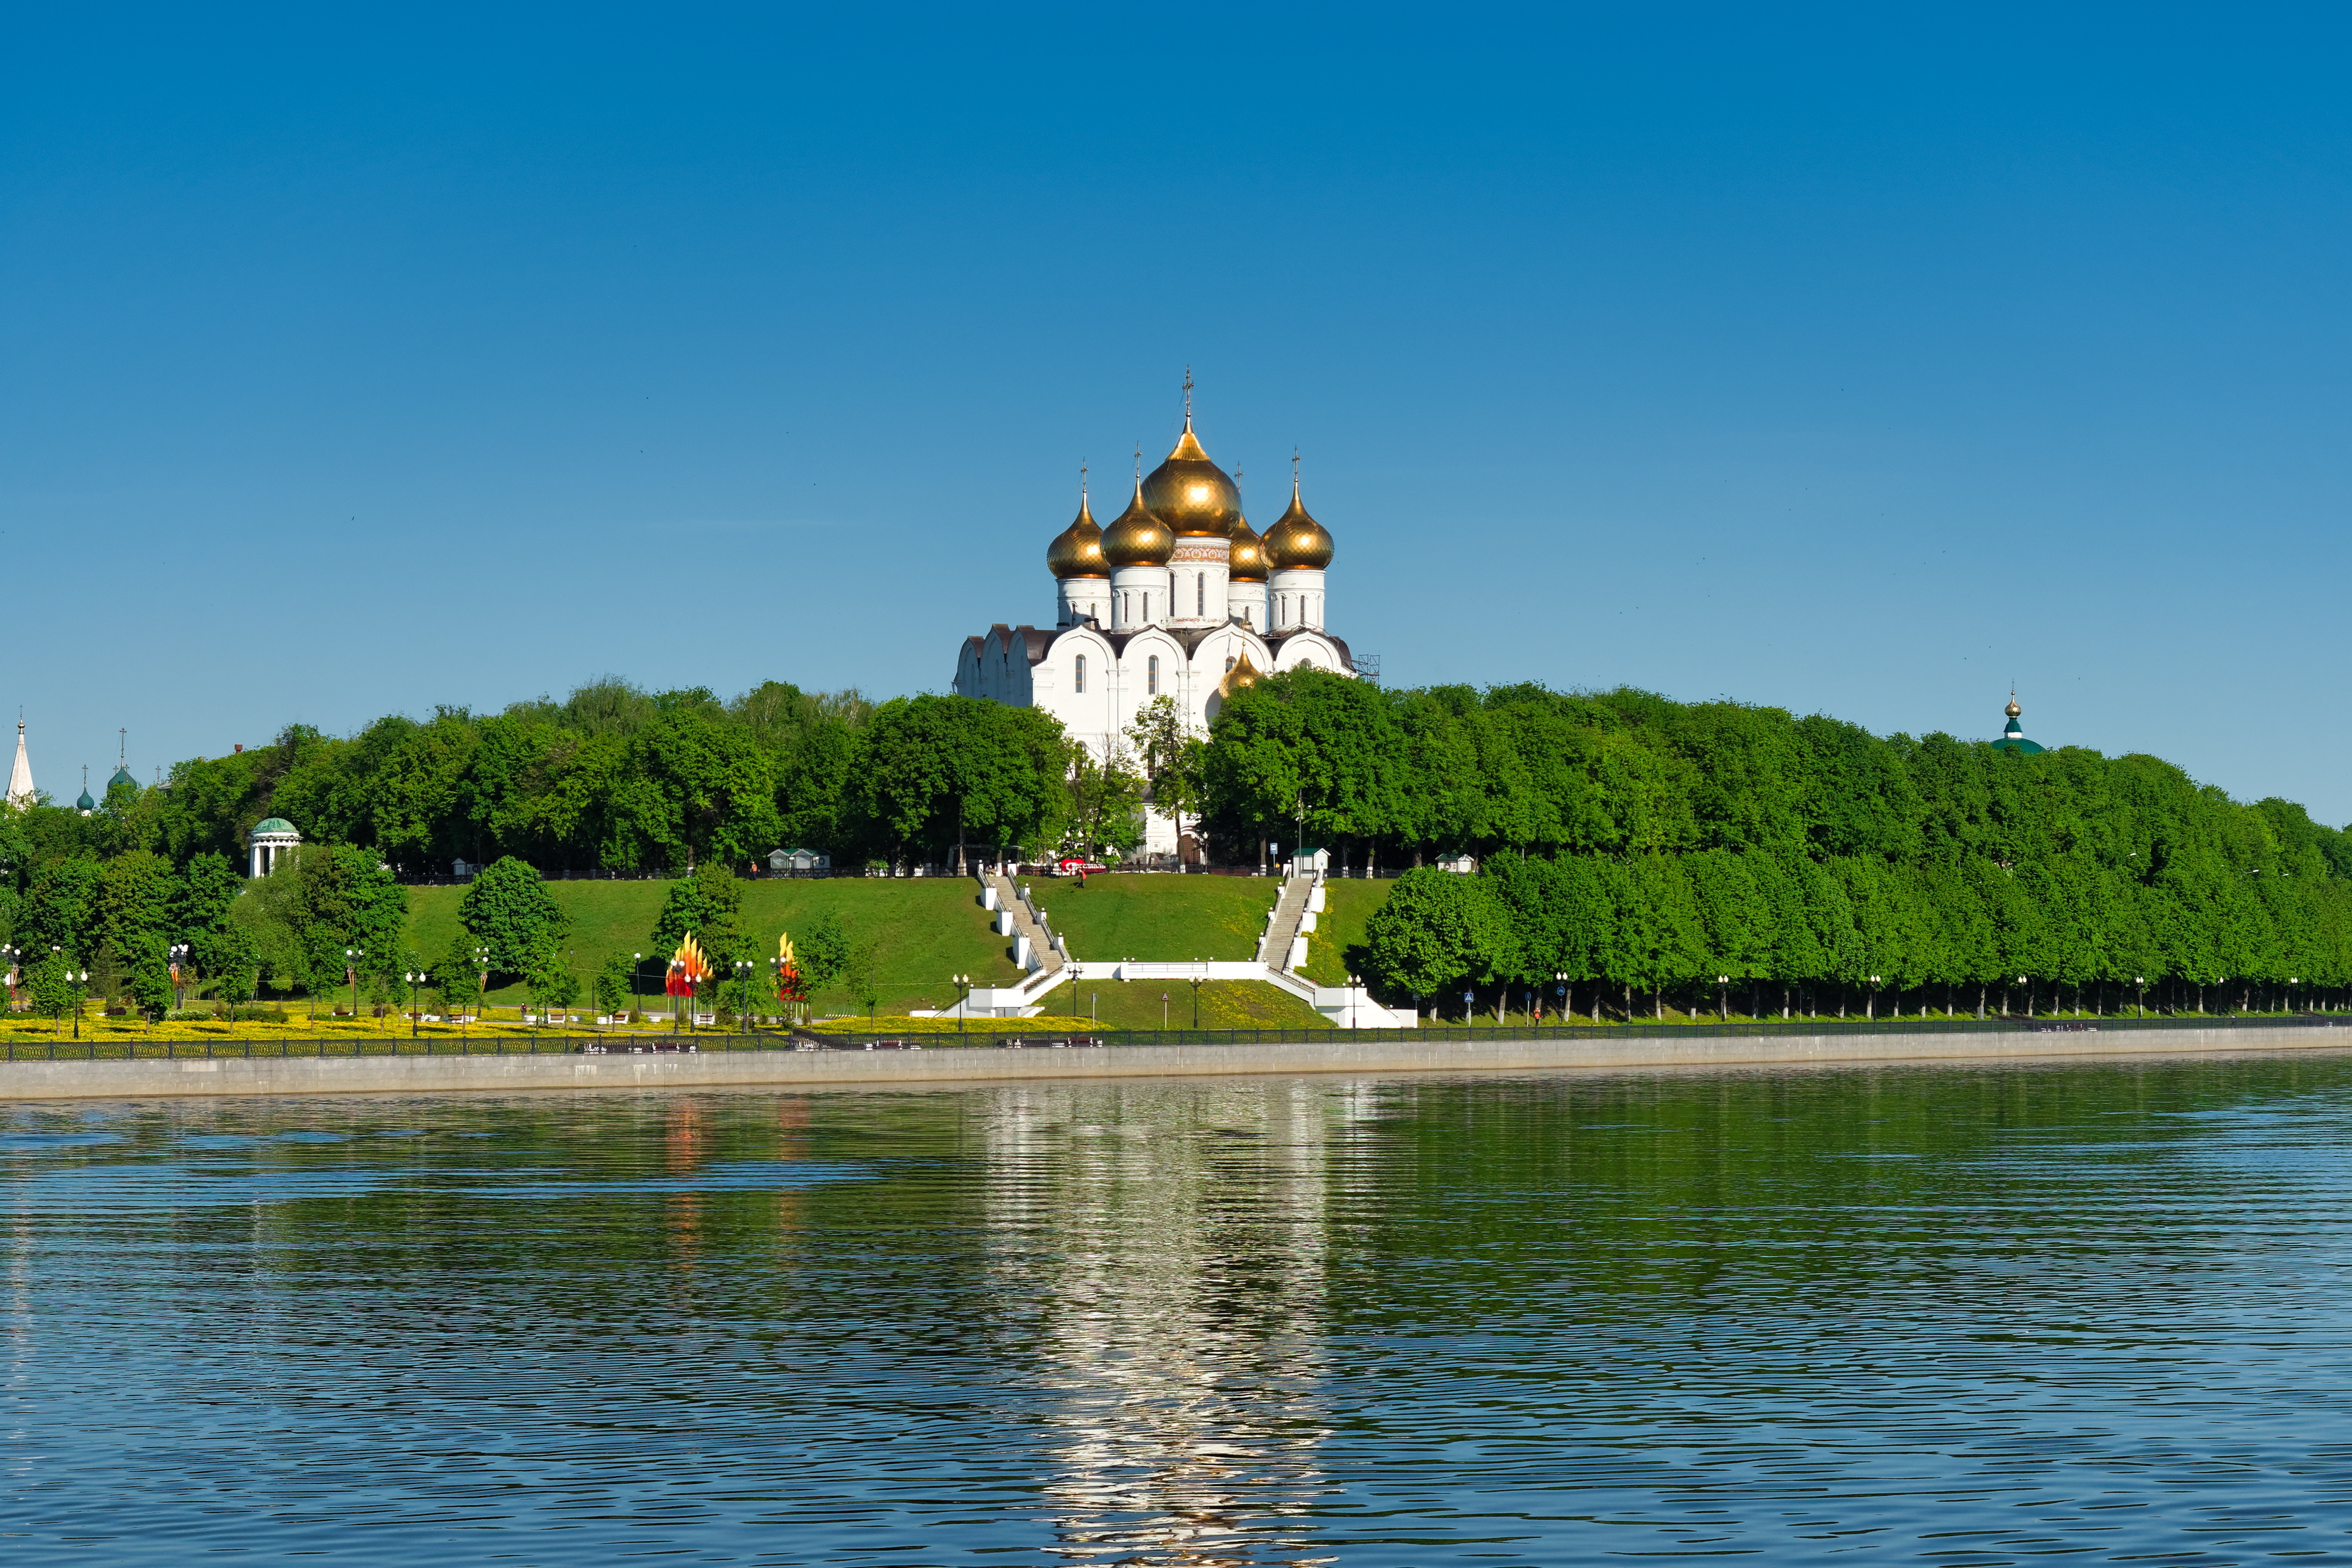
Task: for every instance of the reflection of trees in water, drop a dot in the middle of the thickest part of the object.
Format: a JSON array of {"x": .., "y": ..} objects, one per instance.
[{"x": 1172, "y": 1240}]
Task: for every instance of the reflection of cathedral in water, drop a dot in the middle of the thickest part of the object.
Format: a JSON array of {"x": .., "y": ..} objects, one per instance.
[{"x": 1173, "y": 1238}]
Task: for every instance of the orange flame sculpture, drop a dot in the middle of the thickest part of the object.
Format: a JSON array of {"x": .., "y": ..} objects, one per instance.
[{"x": 687, "y": 969}]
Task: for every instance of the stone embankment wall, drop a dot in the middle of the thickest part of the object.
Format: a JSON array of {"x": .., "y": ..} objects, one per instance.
[{"x": 24, "y": 1080}]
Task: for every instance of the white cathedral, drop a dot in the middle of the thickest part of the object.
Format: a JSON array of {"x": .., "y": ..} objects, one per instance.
[{"x": 1179, "y": 597}]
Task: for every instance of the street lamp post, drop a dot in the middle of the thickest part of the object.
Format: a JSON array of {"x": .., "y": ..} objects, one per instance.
[
  {"x": 743, "y": 968},
  {"x": 2140, "y": 986},
  {"x": 351, "y": 956},
  {"x": 178, "y": 954},
  {"x": 1723, "y": 998},
  {"x": 1163, "y": 1012},
  {"x": 1469, "y": 1017},
  {"x": 1870, "y": 1008},
  {"x": 636, "y": 960},
  {"x": 482, "y": 984},
  {"x": 1355, "y": 982},
  {"x": 1559, "y": 979},
  {"x": 1197, "y": 979},
  {"x": 963, "y": 997},
  {"x": 414, "y": 977}
]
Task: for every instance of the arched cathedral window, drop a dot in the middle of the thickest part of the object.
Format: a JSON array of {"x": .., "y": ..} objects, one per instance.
[
  {"x": 1151, "y": 676},
  {"x": 1082, "y": 672}
]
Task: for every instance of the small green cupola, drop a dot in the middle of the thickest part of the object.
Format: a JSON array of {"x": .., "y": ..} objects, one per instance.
[
  {"x": 85, "y": 805},
  {"x": 2012, "y": 739}
]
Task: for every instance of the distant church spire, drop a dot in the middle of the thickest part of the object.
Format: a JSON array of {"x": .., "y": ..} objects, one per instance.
[
  {"x": 2012, "y": 737},
  {"x": 20, "y": 777}
]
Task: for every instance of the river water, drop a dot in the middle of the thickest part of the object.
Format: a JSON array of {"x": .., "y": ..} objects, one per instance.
[{"x": 1947, "y": 1315}]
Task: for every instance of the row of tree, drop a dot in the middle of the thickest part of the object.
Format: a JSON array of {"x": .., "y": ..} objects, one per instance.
[
  {"x": 1759, "y": 933},
  {"x": 1626, "y": 839}
]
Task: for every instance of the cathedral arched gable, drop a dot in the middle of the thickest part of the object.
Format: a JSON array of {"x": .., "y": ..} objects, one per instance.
[{"x": 1310, "y": 648}]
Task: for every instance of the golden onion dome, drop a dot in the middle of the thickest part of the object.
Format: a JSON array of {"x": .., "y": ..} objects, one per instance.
[
  {"x": 1191, "y": 494},
  {"x": 1249, "y": 553},
  {"x": 1298, "y": 541},
  {"x": 1244, "y": 673},
  {"x": 1136, "y": 538},
  {"x": 1077, "y": 550},
  {"x": 2012, "y": 710}
]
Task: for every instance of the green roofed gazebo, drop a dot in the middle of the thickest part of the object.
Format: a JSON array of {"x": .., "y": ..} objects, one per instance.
[
  {"x": 2013, "y": 739},
  {"x": 271, "y": 839}
]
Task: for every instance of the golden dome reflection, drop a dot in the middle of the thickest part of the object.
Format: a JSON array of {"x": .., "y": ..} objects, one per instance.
[
  {"x": 1297, "y": 539},
  {"x": 1136, "y": 538},
  {"x": 1077, "y": 550},
  {"x": 1191, "y": 494}
]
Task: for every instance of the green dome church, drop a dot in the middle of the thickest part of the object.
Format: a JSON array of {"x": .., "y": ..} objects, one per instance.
[{"x": 2012, "y": 739}]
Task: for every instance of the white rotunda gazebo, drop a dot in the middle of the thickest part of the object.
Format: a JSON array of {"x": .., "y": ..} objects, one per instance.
[{"x": 271, "y": 839}]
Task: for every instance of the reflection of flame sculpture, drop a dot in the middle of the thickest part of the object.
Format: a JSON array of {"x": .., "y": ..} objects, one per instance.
[{"x": 1180, "y": 1263}]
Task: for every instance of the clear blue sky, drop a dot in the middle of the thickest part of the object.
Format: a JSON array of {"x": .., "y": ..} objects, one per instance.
[{"x": 353, "y": 362}]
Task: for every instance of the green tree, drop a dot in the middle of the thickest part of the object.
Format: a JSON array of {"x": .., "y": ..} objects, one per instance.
[
  {"x": 937, "y": 773},
  {"x": 1439, "y": 932},
  {"x": 861, "y": 973},
  {"x": 1170, "y": 757},
  {"x": 823, "y": 948},
  {"x": 616, "y": 986},
  {"x": 509, "y": 909},
  {"x": 553, "y": 983},
  {"x": 1106, "y": 807},
  {"x": 149, "y": 984},
  {"x": 707, "y": 906},
  {"x": 52, "y": 987}
]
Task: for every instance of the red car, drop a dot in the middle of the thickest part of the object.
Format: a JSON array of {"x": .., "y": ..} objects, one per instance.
[{"x": 1077, "y": 865}]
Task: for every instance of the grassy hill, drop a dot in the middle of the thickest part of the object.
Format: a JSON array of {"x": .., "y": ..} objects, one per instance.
[
  {"x": 927, "y": 929},
  {"x": 1348, "y": 907},
  {"x": 1138, "y": 914}
]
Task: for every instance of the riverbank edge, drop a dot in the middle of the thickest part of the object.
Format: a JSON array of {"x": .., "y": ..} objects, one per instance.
[{"x": 229, "y": 1076}]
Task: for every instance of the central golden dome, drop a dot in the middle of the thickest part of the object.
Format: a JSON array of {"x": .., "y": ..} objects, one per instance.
[
  {"x": 1297, "y": 539},
  {"x": 1191, "y": 494},
  {"x": 1136, "y": 538},
  {"x": 1077, "y": 550},
  {"x": 1248, "y": 561}
]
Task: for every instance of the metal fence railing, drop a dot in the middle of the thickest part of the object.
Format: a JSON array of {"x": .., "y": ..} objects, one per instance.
[{"x": 560, "y": 1044}]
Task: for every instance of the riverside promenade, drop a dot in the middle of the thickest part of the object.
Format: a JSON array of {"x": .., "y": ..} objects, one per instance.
[{"x": 722, "y": 1061}]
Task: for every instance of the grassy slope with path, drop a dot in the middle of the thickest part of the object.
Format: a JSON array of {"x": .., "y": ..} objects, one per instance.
[
  {"x": 1347, "y": 907},
  {"x": 1158, "y": 915},
  {"x": 930, "y": 928},
  {"x": 926, "y": 928}
]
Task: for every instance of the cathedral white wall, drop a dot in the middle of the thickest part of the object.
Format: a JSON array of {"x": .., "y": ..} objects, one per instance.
[
  {"x": 1202, "y": 569},
  {"x": 1246, "y": 602},
  {"x": 1139, "y": 598},
  {"x": 1080, "y": 599},
  {"x": 1297, "y": 596}
]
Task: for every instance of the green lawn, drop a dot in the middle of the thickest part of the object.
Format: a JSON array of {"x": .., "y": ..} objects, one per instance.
[
  {"x": 1224, "y": 1003},
  {"x": 926, "y": 928},
  {"x": 1348, "y": 907},
  {"x": 1158, "y": 915}
]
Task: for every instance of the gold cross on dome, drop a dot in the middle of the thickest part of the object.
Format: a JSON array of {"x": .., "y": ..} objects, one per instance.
[{"x": 1188, "y": 394}]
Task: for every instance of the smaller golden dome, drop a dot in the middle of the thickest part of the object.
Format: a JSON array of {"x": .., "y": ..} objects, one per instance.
[
  {"x": 1244, "y": 673},
  {"x": 2012, "y": 710},
  {"x": 1136, "y": 538},
  {"x": 1248, "y": 559},
  {"x": 1297, "y": 539},
  {"x": 1077, "y": 550}
]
